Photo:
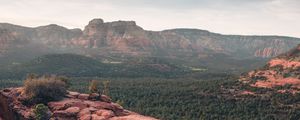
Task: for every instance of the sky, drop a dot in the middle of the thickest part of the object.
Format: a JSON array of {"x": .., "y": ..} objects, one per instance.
[{"x": 245, "y": 17}]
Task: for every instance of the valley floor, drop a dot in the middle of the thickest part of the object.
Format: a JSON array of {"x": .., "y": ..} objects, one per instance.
[{"x": 190, "y": 99}]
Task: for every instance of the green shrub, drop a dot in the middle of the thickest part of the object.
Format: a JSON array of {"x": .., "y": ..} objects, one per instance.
[
  {"x": 41, "y": 112},
  {"x": 44, "y": 89}
]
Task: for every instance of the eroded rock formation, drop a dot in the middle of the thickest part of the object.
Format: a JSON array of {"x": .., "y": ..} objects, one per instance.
[
  {"x": 127, "y": 37},
  {"x": 120, "y": 40}
]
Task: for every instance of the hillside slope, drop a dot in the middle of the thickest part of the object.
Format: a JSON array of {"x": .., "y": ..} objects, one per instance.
[
  {"x": 281, "y": 71},
  {"x": 81, "y": 66}
]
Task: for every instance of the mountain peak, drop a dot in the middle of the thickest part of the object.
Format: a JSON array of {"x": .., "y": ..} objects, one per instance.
[
  {"x": 52, "y": 26},
  {"x": 99, "y": 21},
  {"x": 123, "y": 23},
  {"x": 96, "y": 21}
]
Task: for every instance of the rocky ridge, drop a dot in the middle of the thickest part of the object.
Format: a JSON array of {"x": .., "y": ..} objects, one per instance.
[
  {"x": 281, "y": 71},
  {"x": 128, "y": 37},
  {"x": 74, "y": 106},
  {"x": 119, "y": 40}
]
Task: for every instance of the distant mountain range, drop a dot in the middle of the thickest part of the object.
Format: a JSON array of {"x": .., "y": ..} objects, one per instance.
[{"x": 123, "y": 41}]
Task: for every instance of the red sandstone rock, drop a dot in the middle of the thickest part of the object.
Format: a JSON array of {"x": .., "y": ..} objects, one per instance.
[
  {"x": 68, "y": 109},
  {"x": 63, "y": 104},
  {"x": 102, "y": 105},
  {"x": 80, "y": 105},
  {"x": 96, "y": 117},
  {"x": 133, "y": 117},
  {"x": 94, "y": 96},
  {"x": 73, "y": 110},
  {"x": 247, "y": 93},
  {"x": 84, "y": 112},
  {"x": 85, "y": 117},
  {"x": 284, "y": 63},
  {"x": 280, "y": 71},
  {"x": 105, "y": 98},
  {"x": 105, "y": 113},
  {"x": 83, "y": 96},
  {"x": 62, "y": 114},
  {"x": 73, "y": 94}
]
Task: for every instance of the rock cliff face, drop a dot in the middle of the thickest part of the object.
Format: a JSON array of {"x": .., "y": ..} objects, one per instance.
[
  {"x": 55, "y": 36},
  {"x": 283, "y": 70},
  {"x": 74, "y": 106},
  {"x": 125, "y": 38},
  {"x": 5, "y": 39},
  {"x": 10, "y": 40}
]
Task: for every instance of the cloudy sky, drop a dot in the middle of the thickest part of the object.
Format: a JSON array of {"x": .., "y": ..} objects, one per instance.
[{"x": 249, "y": 17}]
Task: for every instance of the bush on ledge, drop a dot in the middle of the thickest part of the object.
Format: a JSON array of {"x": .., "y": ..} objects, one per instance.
[{"x": 44, "y": 89}]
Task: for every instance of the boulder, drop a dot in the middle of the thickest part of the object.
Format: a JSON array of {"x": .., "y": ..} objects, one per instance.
[
  {"x": 69, "y": 113},
  {"x": 73, "y": 110},
  {"x": 104, "y": 105},
  {"x": 96, "y": 117},
  {"x": 83, "y": 96},
  {"x": 84, "y": 112},
  {"x": 63, "y": 104},
  {"x": 81, "y": 105},
  {"x": 94, "y": 96},
  {"x": 105, "y": 113},
  {"x": 105, "y": 98},
  {"x": 86, "y": 117},
  {"x": 73, "y": 94}
]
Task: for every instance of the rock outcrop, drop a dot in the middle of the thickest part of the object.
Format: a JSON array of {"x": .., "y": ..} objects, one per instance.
[
  {"x": 74, "y": 106},
  {"x": 281, "y": 71}
]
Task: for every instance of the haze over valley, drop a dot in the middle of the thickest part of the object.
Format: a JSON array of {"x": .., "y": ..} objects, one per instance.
[{"x": 141, "y": 60}]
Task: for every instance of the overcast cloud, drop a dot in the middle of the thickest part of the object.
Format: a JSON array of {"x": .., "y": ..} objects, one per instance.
[{"x": 249, "y": 17}]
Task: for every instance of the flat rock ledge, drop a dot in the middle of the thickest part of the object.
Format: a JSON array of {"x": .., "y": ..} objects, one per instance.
[{"x": 75, "y": 106}]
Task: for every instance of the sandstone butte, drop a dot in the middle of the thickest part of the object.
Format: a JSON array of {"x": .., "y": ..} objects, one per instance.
[{"x": 74, "y": 106}]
